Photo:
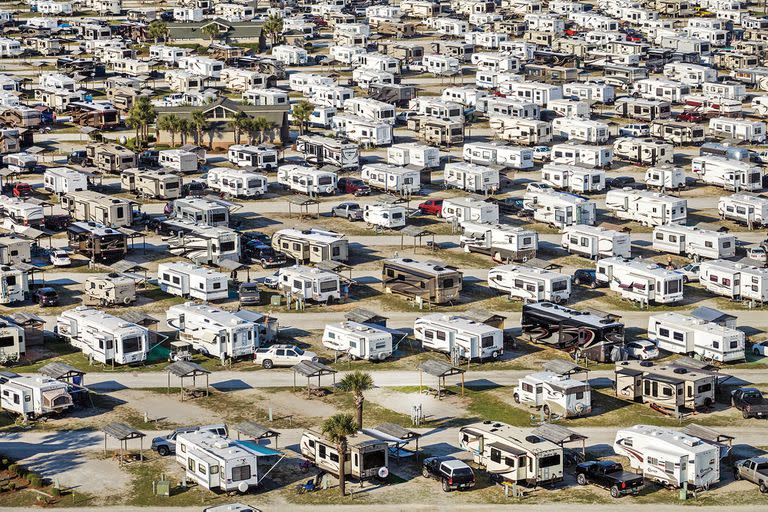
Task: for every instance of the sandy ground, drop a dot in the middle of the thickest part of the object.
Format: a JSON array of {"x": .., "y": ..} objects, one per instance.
[
  {"x": 161, "y": 408},
  {"x": 431, "y": 407},
  {"x": 286, "y": 403}
]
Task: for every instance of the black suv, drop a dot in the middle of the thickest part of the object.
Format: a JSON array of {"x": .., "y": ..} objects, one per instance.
[
  {"x": 585, "y": 277},
  {"x": 452, "y": 473},
  {"x": 264, "y": 255}
]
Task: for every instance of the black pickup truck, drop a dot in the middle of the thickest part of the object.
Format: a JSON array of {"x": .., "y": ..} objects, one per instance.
[
  {"x": 452, "y": 473},
  {"x": 609, "y": 474},
  {"x": 750, "y": 402}
]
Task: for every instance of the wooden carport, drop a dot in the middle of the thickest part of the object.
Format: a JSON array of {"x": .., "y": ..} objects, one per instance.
[
  {"x": 441, "y": 370},
  {"x": 312, "y": 369},
  {"x": 123, "y": 433},
  {"x": 303, "y": 202},
  {"x": 184, "y": 370}
]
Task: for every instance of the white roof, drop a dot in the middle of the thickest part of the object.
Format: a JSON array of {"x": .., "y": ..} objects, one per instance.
[
  {"x": 190, "y": 268},
  {"x": 736, "y": 267},
  {"x": 459, "y": 322},
  {"x": 216, "y": 316},
  {"x": 669, "y": 438},
  {"x": 695, "y": 324},
  {"x": 317, "y": 235}
]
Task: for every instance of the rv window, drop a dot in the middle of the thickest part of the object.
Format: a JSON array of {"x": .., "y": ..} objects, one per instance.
[
  {"x": 334, "y": 457},
  {"x": 132, "y": 344},
  {"x": 528, "y": 388},
  {"x": 10, "y": 280},
  {"x": 429, "y": 335},
  {"x": 705, "y": 388},
  {"x": 652, "y": 461},
  {"x": 328, "y": 286},
  {"x": 373, "y": 460},
  {"x": 227, "y": 246},
  {"x": 190, "y": 464},
  {"x": 678, "y": 336},
  {"x": 559, "y": 286},
  {"x": 486, "y": 342},
  {"x": 580, "y": 395},
  {"x": 216, "y": 286},
  {"x": 664, "y": 333},
  {"x": 241, "y": 473},
  {"x": 495, "y": 455},
  {"x": 176, "y": 280},
  {"x": 28, "y": 398},
  {"x": 552, "y": 460},
  {"x": 201, "y": 469},
  {"x": 214, "y": 470},
  {"x": 16, "y": 399},
  {"x": 666, "y": 391},
  {"x": 440, "y": 335},
  {"x": 7, "y": 341},
  {"x": 725, "y": 282},
  {"x": 716, "y": 344},
  {"x": 669, "y": 467}
]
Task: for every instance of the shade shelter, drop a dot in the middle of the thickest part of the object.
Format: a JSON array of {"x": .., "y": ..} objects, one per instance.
[
  {"x": 723, "y": 441},
  {"x": 565, "y": 368},
  {"x": 418, "y": 234},
  {"x": 312, "y": 369},
  {"x": 337, "y": 267},
  {"x": 441, "y": 370},
  {"x": 365, "y": 316},
  {"x": 484, "y": 317},
  {"x": 123, "y": 433},
  {"x": 184, "y": 370},
  {"x": 33, "y": 326},
  {"x": 255, "y": 431},
  {"x": 302, "y": 202},
  {"x": 395, "y": 435},
  {"x": 560, "y": 436}
]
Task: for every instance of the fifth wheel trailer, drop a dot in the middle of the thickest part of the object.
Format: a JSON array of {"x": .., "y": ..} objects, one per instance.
[
  {"x": 684, "y": 334},
  {"x": 449, "y": 333},
  {"x": 103, "y": 337},
  {"x": 503, "y": 243}
]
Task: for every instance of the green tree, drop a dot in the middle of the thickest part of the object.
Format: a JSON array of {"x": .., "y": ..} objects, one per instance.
[
  {"x": 158, "y": 30},
  {"x": 302, "y": 112},
  {"x": 337, "y": 429},
  {"x": 273, "y": 26},
  {"x": 357, "y": 383},
  {"x": 170, "y": 123},
  {"x": 261, "y": 125},
  {"x": 211, "y": 30},
  {"x": 199, "y": 125},
  {"x": 185, "y": 129},
  {"x": 237, "y": 123},
  {"x": 141, "y": 114}
]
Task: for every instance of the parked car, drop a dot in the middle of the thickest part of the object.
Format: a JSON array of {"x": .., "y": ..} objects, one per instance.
[
  {"x": 452, "y": 473},
  {"x": 609, "y": 474},
  {"x": 57, "y": 222},
  {"x": 511, "y": 206},
  {"x": 166, "y": 445},
  {"x": 272, "y": 281},
  {"x": 760, "y": 157},
  {"x": 46, "y": 296},
  {"x": 690, "y": 272},
  {"x": 22, "y": 189},
  {"x": 641, "y": 349},
  {"x": 754, "y": 470},
  {"x": 585, "y": 277},
  {"x": 282, "y": 355},
  {"x": 354, "y": 186},
  {"x": 751, "y": 402},
  {"x": 635, "y": 130},
  {"x": 402, "y": 117},
  {"x": 60, "y": 258},
  {"x": 758, "y": 254},
  {"x": 690, "y": 116},
  {"x": 542, "y": 153},
  {"x": 194, "y": 188},
  {"x": 760, "y": 348},
  {"x": 77, "y": 157},
  {"x": 264, "y": 254},
  {"x": 431, "y": 207},
  {"x": 249, "y": 293},
  {"x": 349, "y": 211},
  {"x": 623, "y": 182}
]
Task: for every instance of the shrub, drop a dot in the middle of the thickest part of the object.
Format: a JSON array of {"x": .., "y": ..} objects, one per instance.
[
  {"x": 35, "y": 480},
  {"x": 21, "y": 471},
  {"x": 13, "y": 469},
  {"x": 55, "y": 492},
  {"x": 11, "y": 486}
]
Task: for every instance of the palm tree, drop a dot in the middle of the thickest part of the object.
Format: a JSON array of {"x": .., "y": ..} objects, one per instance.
[
  {"x": 134, "y": 121},
  {"x": 237, "y": 124},
  {"x": 357, "y": 383},
  {"x": 337, "y": 428},
  {"x": 250, "y": 129},
  {"x": 211, "y": 30},
  {"x": 171, "y": 124},
  {"x": 199, "y": 125},
  {"x": 261, "y": 125},
  {"x": 158, "y": 30},
  {"x": 185, "y": 128},
  {"x": 302, "y": 112},
  {"x": 273, "y": 26}
]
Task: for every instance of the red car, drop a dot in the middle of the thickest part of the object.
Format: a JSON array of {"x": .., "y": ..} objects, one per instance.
[
  {"x": 22, "y": 190},
  {"x": 691, "y": 117},
  {"x": 432, "y": 207},
  {"x": 354, "y": 186}
]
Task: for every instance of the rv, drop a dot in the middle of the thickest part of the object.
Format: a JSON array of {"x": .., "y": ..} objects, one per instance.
[
  {"x": 669, "y": 457},
  {"x": 595, "y": 157},
  {"x": 688, "y": 335},
  {"x": 96, "y": 241},
  {"x": 14, "y": 285},
  {"x": 33, "y": 396},
  {"x": 461, "y": 209},
  {"x": 744, "y": 208},
  {"x": 503, "y": 243},
  {"x": 643, "y": 109},
  {"x": 13, "y": 342},
  {"x": 734, "y": 280},
  {"x": 554, "y": 394},
  {"x": 385, "y": 215},
  {"x": 696, "y": 243},
  {"x": 321, "y": 151},
  {"x": 203, "y": 244},
  {"x": 494, "y": 153},
  {"x": 20, "y": 163},
  {"x": 665, "y": 177},
  {"x": 582, "y": 130},
  {"x": 359, "y": 341},
  {"x": 643, "y": 151},
  {"x": 640, "y": 281},
  {"x": 156, "y": 184},
  {"x": 441, "y": 132},
  {"x": 15, "y": 249},
  {"x": 110, "y": 158},
  {"x": 494, "y": 106},
  {"x": 370, "y": 109},
  {"x": 178, "y": 160},
  {"x": 110, "y": 290},
  {"x": 512, "y": 453},
  {"x": 331, "y": 95},
  {"x": 63, "y": 180},
  {"x": 214, "y": 332},
  {"x": 689, "y": 74},
  {"x": 472, "y": 177},
  {"x": 366, "y": 457},
  {"x": 660, "y": 89},
  {"x": 573, "y": 178},
  {"x": 205, "y": 212},
  {"x": 725, "y": 151},
  {"x": 529, "y": 283},
  {"x": 429, "y": 281},
  {"x": 596, "y": 242},
  {"x": 89, "y": 206},
  {"x": 412, "y": 154},
  {"x": 559, "y": 209},
  {"x": 189, "y": 280},
  {"x": 587, "y": 334},
  {"x": 391, "y": 178},
  {"x": 676, "y": 132},
  {"x": 259, "y": 157},
  {"x": 237, "y": 183},
  {"x": 306, "y": 180},
  {"x": 646, "y": 207},
  {"x": 457, "y": 334},
  {"x": 311, "y": 245},
  {"x": 537, "y": 92},
  {"x": 310, "y": 284},
  {"x": 103, "y": 337},
  {"x": 520, "y": 130},
  {"x": 743, "y": 130},
  {"x": 729, "y": 174},
  {"x": 18, "y": 214}
]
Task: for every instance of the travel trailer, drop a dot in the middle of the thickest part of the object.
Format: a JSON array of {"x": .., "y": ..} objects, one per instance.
[
  {"x": 33, "y": 396},
  {"x": 695, "y": 243},
  {"x": 725, "y": 150},
  {"x": 573, "y": 178},
  {"x": 494, "y": 153},
  {"x": 102, "y": 337},
  {"x": 15, "y": 249},
  {"x": 596, "y": 242},
  {"x": 669, "y": 457},
  {"x": 643, "y": 151},
  {"x": 734, "y": 280},
  {"x": 321, "y": 151},
  {"x": 14, "y": 342},
  {"x": 665, "y": 177},
  {"x": 684, "y": 334},
  {"x": 193, "y": 281},
  {"x": 660, "y": 89},
  {"x": 641, "y": 281},
  {"x": 385, "y": 215},
  {"x": 643, "y": 109},
  {"x": 743, "y": 130},
  {"x": 503, "y": 243},
  {"x": 110, "y": 158},
  {"x": 200, "y": 243},
  {"x": 18, "y": 214},
  {"x": 63, "y": 180},
  {"x": 581, "y": 130},
  {"x": 307, "y": 180},
  {"x": 730, "y": 174},
  {"x": 373, "y": 110},
  {"x": 237, "y": 183},
  {"x": 311, "y": 245},
  {"x": 457, "y": 334},
  {"x": 512, "y": 453},
  {"x": 260, "y": 157},
  {"x": 429, "y": 281},
  {"x": 366, "y": 457},
  {"x": 392, "y": 178},
  {"x": 153, "y": 183},
  {"x": 559, "y": 209},
  {"x": 537, "y": 92},
  {"x": 331, "y": 95},
  {"x": 110, "y": 290},
  {"x": 20, "y": 163},
  {"x": 202, "y": 211},
  {"x": 595, "y": 157},
  {"x": 689, "y": 74},
  {"x": 646, "y": 207},
  {"x": 677, "y": 132},
  {"x": 553, "y": 393},
  {"x": 472, "y": 177},
  {"x": 359, "y": 341},
  {"x": 96, "y": 241},
  {"x": 214, "y": 332},
  {"x": 413, "y": 154},
  {"x": 744, "y": 208},
  {"x": 178, "y": 160},
  {"x": 494, "y": 106},
  {"x": 14, "y": 285},
  {"x": 529, "y": 283},
  {"x": 310, "y": 284},
  {"x": 461, "y": 209},
  {"x": 89, "y": 206}
]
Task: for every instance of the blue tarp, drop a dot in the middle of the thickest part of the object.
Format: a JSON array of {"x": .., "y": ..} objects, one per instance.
[{"x": 258, "y": 448}]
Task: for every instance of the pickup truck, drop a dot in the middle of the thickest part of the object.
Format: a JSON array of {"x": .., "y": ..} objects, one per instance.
[
  {"x": 282, "y": 355},
  {"x": 750, "y": 402},
  {"x": 431, "y": 207},
  {"x": 452, "y": 473},
  {"x": 354, "y": 186},
  {"x": 349, "y": 211},
  {"x": 609, "y": 474},
  {"x": 166, "y": 445},
  {"x": 754, "y": 470}
]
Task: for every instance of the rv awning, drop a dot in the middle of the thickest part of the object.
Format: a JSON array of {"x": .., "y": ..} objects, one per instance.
[
  {"x": 229, "y": 264},
  {"x": 258, "y": 449},
  {"x": 506, "y": 448},
  {"x": 34, "y": 150},
  {"x": 557, "y": 434}
]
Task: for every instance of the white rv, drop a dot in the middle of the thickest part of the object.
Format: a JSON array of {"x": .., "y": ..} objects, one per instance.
[
  {"x": 103, "y": 337},
  {"x": 689, "y": 74},
  {"x": 213, "y": 331},
  {"x": 643, "y": 151},
  {"x": 33, "y": 396},
  {"x": 494, "y": 153},
  {"x": 660, "y": 89},
  {"x": 18, "y": 214},
  {"x": 385, "y": 215},
  {"x": 596, "y": 157},
  {"x": 14, "y": 342},
  {"x": 521, "y": 130},
  {"x": 391, "y": 178},
  {"x": 366, "y": 457},
  {"x": 530, "y": 284},
  {"x": 413, "y": 154},
  {"x": 306, "y": 180},
  {"x": 311, "y": 245},
  {"x": 646, "y": 207},
  {"x": 734, "y": 280},
  {"x": 189, "y": 280},
  {"x": 694, "y": 242},
  {"x": 471, "y": 177},
  {"x": 331, "y": 95},
  {"x": 558, "y": 209},
  {"x": 665, "y": 177},
  {"x": 640, "y": 281},
  {"x": 581, "y": 130},
  {"x": 503, "y": 243},
  {"x": 462, "y": 209},
  {"x": 360, "y": 341},
  {"x": 310, "y": 283},
  {"x": 596, "y": 242},
  {"x": 554, "y": 394},
  {"x": 744, "y": 208},
  {"x": 362, "y": 130},
  {"x": 573, "y": 178},
  {"x": 449, "y": 333},
  {"x": 537, "y": 92},
  {"x": 62, "y": 180},
  {"x": 686, "y": 334},
  {"x": 179, "y": 160},
  {"x": 260, "y": 157},
  {"x": 373, "y": 110},
  {"x": 237, "y": 182},
  {"x": 727, "y": 173}
]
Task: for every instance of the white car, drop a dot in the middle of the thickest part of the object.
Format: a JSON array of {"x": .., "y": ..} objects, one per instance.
[
  {"x": 635, "y": 130},
  {"x": 282, "y": 355},
  {"x": 760, "y": 348},
  {"x": 642, "y": 349},
  {"x": 690, "y": 272},
  {"x": 761, "y": 157},
  {"x": 757, "y": 254},
  {"x": 542, "y": 153},
  {"x": 272, "y": 281},
  {"x": 60, "y": 258}
]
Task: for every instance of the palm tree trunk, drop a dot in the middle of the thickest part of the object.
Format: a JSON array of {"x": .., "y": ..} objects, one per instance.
[
  {"x": 173, "y": 138},
  {"x": 342, "y": 476},
  {"x": 359, "y": 406}
]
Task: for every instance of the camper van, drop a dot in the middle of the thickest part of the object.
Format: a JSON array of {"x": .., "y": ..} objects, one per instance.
[
  {"x": 237, "y": 183},
  {"x": 529, "y": 283},
  {"x": 391, "y": 178},
  {"x": 429, "y": 281},
  {"x": 643, "y": 151},
  {"x": 214, "y": 332},
  {"x": 669, "y": 457},
  {"x": 744, "y": 208},
  {"x": 102, "y": 337},
  {"x": 189, "y": 280},
  {"x": 311, "y": 245},
  {"x": 472, "y": 177},
  {"x": 558, "y": 209},
  {"x": 573, "y": 178},
  {"x": 595, "y": 157},
  {"x": 694, "y": 242},
  {"x": 152, "y": 183},
  {"x": 596, "y": 242},
  {"x": 665, "y": 177},
  {"x": 729, "y": 174},
  {"x": 503, "y": 243},
  {"x": 110, "y": 290},
  {"x": 461, "y": 209},
  {"x": 640, "y": 281},
  {"x": 33, "y": 396},
  {"x": 494, "y": 153},
  {"x": 554, "y": 394},
  {"x": 449, "y": 333},
  {"x": 385, "y": 215},
  {"x": 366, "y": 457},
  {"x": 306, "y": 180},
  {"x": 260, "y": 157},
  {"x": 63, "y": 180},
  {"x": 684, "y": 334},
  {"x": 734, "y": 280},
  {"x": 646, "y": 207},
  {"x": 310, "y": 284},
  {"x": 359, "y": 341}
]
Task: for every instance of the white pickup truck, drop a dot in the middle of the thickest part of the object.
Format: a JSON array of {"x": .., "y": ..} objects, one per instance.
[{"x": 282, "y": 355}]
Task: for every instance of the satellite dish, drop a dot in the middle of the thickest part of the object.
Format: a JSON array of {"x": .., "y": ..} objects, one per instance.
[
  {"x": 123, "y": 139},
  {"x": 243, "y": 487},
  {"x": 383, "y": 472}
]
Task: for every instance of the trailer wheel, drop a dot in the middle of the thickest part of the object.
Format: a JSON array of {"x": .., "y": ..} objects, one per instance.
[
  {"x": 268, "y": 364},
  {"x": 745, "y": 414},
  {"x": 495, "y": 354},
  {"x": 516, "y": 398},
  {"x": 163, "y": 451},
  {"x": 330, "y": 301},
  {"x": 615, "y": 492},
  {"x": 127, "y": 301},
  {"x": 546, "y": 410},
  {"x": 581, "y": 479}
]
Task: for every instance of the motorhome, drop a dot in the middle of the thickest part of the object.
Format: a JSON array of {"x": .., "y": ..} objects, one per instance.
[
  {"x": 310, "y": 284},
  {"x": 391, "y": 178},
  {"x": 202, "y": 211},
  {"x": 472, "y": 177},
  {"x": 214, "y": 332},
  {"x": 583, "y": 155},
  {"x": 33, "y": 396},
  {"x": 596, "y": 242},
  {"x": 499, "y": 154},
  {"x": 734, "y": 280},
  {"x": 730, "y": 174},
  {"x": 583, "y": 334},
  {"x": 189, "y": 280},
  {"x": 643, "y": 151},
  {"x": 359, "y": 341},
  {"x": 153, "y": 183},
  {"x": 237, "y": 183},
  {"x": 102, "y": 337},
  {"x": 421, "y": 156},
  {"x": 694, "y": 242},
  {"x": 561, "y": 395},
  {"x": 503, "y": 243},
  {"x": 457, "y": 334},
  {"x": 513, "y": 454},
  {"x": 573, "y": 178},
  {"x": 744, "y": 208},
  {"x": 559, "y": 209},
  {"x": 646, "y": 207},
  {"x": 429, "y": 281},
  {"x": 665, "y": 177},
  {"x": 461, "y": 209},
  {"x": 63, "y": 180},
  {"x": 521, "y": 130},
  {"x": 641, "y": 281},
  {"x": 90, "y": 206},
  {"x": 321, "y": 151},
  {"x": 660, "y": 89},
  {"x": 581, "y": 130},
  {"x": 684, "y": 334},
  {"x": 529, "y": 283},
  {"x": 677, "y": 132},
  {"x": 365, "y": 458},
  {"x": 311, "y": 245},
  {"x": 743, "y": 130},
  {"x": 260, "y": 157},
  {"x": 97, "y": 241},
  {"x": 669, "y": 457},
  {"x": 110, "y": 289},
  {"x": 306, "y": 180}
]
